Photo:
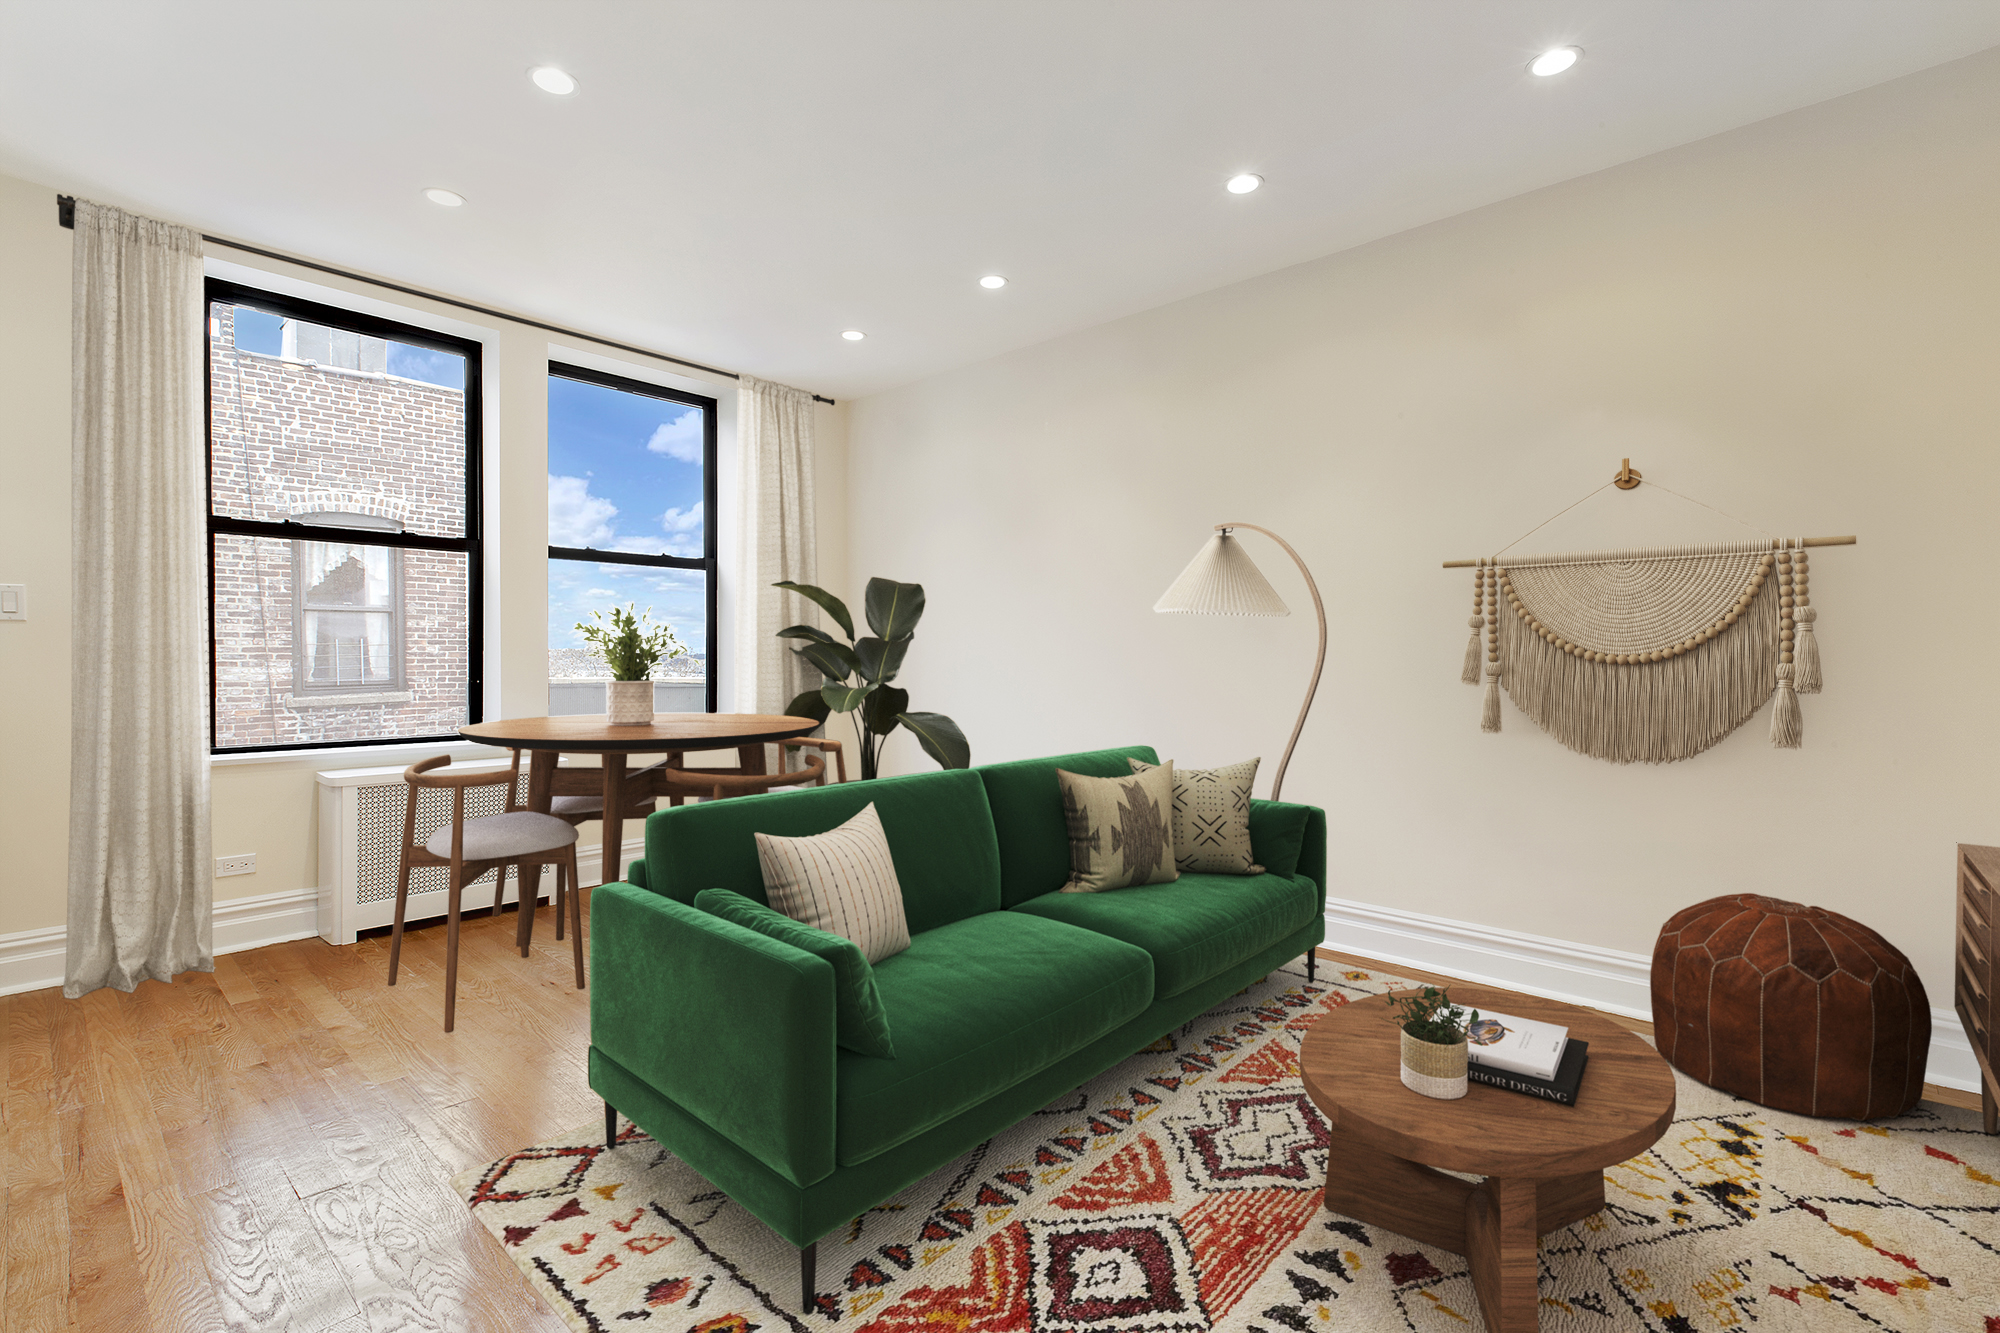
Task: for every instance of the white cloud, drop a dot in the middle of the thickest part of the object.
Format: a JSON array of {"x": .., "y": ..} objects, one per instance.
[
  {"x": 600, "y": 592},
  {"x": 679, "y": 439},
  {"x": 576, "y": 517},
  {"x": 683, "y": 529}
]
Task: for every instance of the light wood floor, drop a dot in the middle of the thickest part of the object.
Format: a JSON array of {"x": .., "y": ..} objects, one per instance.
[{"x": 271, "y": 1147}]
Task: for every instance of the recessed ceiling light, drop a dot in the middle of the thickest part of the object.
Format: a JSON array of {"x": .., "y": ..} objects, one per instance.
[
  {"x": 992, "y": 282},
  {"x": 447, "y": 198},
  {"x": 1554, "y": 62},
  {"x": 1245, "y": 183},
  {"x": 552, "y": 80},
  {"x": 854, "y": 335}
]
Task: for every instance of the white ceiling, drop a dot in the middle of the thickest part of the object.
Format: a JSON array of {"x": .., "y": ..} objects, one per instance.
[{"x": 738, "y": 182}]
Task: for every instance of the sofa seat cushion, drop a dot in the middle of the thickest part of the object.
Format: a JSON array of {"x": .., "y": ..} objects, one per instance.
[
  {"x": 977, "y": 1005},
  {"x": 1195, "y": 927}
]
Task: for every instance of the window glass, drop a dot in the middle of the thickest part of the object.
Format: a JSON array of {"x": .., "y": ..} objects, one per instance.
[{"x": 302, "y": 414}]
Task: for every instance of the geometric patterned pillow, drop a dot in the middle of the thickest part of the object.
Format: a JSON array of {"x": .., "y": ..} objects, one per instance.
[
  {"x": 1212, "y": 818},
  {"x": 1121, "y": 830}
]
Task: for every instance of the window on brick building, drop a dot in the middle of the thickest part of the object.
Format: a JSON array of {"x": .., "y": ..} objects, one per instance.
[
  {"x": 343, "y": 525},
  {"x": 347, "y": 621},
  {"x": 631, "y": 505}
]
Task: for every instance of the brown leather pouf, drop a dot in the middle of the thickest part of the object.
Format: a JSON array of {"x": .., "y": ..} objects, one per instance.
[{"x": 1792, "y": 1007}]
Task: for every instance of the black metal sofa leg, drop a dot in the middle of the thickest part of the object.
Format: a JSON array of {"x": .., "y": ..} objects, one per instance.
[
  {"x": 610, "y": 1125},
  {"x": 1312, "y": 964},
  {"x": 806, "y": 1259}
]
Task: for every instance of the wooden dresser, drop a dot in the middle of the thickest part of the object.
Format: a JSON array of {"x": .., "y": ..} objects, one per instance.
[{"x": 1976, "y": 976}]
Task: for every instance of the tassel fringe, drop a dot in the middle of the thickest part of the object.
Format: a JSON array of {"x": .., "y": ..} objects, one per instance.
[
  {"x": 1787, "y": 728},
  {"x": 1489, "y": 715},
  {"x": 1654, "y": 712},
  {"x": 1472, "y": 654},
  {"x": 1805, "y": 652}
]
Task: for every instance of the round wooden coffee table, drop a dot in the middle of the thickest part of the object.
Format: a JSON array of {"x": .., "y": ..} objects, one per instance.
[{"x": 1543, "y": 1162}]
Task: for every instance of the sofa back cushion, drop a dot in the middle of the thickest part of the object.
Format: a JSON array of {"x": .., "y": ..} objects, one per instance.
[
  {"x": 939, "y": 828},
  {"x": 1026, "y": 800}
]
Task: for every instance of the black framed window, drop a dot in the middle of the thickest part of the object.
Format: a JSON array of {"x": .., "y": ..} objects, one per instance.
[
  {"x": 343, "y": 528},
  {"x": 631, "y": 520}
]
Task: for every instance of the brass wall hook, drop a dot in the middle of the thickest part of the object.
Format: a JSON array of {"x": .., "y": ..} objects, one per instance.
[{"x": 1626, "y": 477}]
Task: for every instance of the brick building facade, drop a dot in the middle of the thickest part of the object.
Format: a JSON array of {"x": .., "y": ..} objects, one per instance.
[{"x": 332, "y": 641}]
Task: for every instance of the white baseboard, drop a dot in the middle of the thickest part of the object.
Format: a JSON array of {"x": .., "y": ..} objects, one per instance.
[
  {"x": 1608, "y": 979},
  {"x": 34, "y": 959}
]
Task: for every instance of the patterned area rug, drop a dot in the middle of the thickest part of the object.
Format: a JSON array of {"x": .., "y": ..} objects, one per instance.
[{"x": 1180, "y": 1192}]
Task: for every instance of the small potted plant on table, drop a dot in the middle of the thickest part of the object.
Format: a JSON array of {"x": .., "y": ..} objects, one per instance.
[
  {"x": 632, "y": 646},
  {"x": 1433, "y": 1030}
]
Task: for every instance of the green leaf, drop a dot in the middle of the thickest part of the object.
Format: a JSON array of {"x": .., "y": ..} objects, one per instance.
[
  {"x": 941, "y": 738},
  {"x": 835, "y": 661},
  {"x": 894, "y": 608},
  {"x": 845, "y": 698},
  {"x": 883, "y": 708},
  {"x": 811, "y": 704},
  {"x": 831, "y": 604},
  {"x": 879, "y": 659},
  {"x": 806, "y": 632}
]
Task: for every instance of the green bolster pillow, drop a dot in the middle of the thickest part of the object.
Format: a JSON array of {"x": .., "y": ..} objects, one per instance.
[{"x": 861, "y": 1024}]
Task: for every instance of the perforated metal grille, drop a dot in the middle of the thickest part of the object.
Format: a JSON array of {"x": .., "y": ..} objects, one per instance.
[{"x": 379, "y": 837}]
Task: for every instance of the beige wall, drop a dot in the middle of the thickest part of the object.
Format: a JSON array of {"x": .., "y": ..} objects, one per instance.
[
  {"x": 34, "y": 549},
  {"x": 268, "y": 807},
  {"x": 1798, "y": 322}
]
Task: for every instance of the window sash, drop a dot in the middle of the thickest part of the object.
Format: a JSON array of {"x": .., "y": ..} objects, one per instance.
[
  {"x": 469, "y": 542},
  {"x": 707, "y": 562}
]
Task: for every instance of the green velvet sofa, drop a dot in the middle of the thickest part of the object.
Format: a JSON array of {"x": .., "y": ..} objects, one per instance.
[{"x": 718, "y": 1041}]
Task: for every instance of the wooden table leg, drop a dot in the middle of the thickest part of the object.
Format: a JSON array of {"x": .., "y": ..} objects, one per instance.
[
  {"x": 1386, "y": 1191},
  {"x": 541, "y": 784},
  {"x": 750, "y": 758},
  {"x": 1500, "y": 1249},
  {"x": 609, "y": 871}
]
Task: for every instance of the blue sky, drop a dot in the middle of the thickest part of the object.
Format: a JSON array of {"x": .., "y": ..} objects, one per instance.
[
  {"x": 625, "y": 474},
  {"x": 257, "y": 331}
]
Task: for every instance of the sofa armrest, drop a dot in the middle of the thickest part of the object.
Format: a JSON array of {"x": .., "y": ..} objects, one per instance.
[
  {"x": 734, "y": 1027},
  {"x": 1289, "y": 839},
  {"x": 636, "y": 874}
]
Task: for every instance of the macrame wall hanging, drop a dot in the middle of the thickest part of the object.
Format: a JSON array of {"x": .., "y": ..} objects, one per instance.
[{"x": 1652, "y": 654}]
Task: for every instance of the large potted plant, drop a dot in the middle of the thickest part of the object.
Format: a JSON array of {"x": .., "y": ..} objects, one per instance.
[
  {"x": 1433, "y": 1032},
  {"x": 632, "y": 645},
  {"x": 859, "y": 673}
]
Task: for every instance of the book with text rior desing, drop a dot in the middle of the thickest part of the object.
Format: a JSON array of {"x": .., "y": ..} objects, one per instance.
[
  {"x": 1561, "y": 1089},
  {"x": 1517, "y": 1045}
]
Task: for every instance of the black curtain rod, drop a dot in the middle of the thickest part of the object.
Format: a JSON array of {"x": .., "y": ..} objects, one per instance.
[{"x": 66, "y": 215}]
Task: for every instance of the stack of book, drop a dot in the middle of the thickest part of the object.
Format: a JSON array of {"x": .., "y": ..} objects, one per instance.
[{"x": 1526, "y": 1056}]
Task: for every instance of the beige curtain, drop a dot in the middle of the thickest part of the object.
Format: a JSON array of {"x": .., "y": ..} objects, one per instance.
[
  {"x": 778, "y": 540},
  {"x": 140, "y": 873}
]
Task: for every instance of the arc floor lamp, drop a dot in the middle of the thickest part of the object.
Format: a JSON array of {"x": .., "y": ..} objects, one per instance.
[{"x": 1222, "y": 580}]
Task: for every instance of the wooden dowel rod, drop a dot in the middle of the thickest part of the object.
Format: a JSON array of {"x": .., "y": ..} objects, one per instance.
[{"x": 1803, "y": 541}]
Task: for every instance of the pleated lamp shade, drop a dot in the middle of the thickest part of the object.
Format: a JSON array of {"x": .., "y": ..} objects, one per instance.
[{"x": 1222, "y": 580}]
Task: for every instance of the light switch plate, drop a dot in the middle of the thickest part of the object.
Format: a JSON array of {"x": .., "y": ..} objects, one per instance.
[
  {"x": 245, "y": 864},
  {"x": 13, "y": 601}
]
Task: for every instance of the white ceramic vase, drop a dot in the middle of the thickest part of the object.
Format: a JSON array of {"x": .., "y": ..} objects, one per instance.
[
  {"x": 629, "y": 702},
  {"x": 1434, "y": 1070}
]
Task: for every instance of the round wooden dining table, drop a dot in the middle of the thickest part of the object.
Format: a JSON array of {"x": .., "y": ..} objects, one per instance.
[{"x": 548, "y": 738}]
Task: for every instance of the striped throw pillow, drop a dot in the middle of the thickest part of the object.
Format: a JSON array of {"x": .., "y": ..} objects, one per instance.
[{"x": 843, "y": 882}]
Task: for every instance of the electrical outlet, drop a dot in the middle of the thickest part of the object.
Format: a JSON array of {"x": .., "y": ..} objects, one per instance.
[{"x": 245, "y": 864}]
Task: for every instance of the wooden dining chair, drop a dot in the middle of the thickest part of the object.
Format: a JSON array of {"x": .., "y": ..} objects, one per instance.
[
  {"x": 821, "y": 744},
  {"x": 714, "y": 784},
  {"x": 468, "y": 848},
  {"x": 583, "y": 803}
]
